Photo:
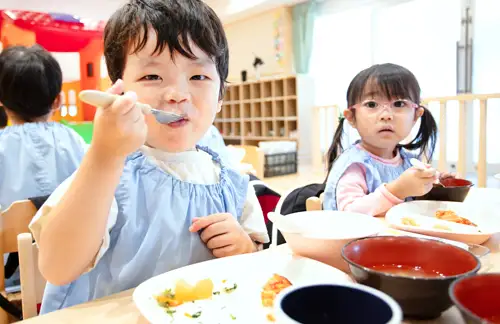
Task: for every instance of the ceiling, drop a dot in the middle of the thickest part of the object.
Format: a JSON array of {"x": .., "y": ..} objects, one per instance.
[
  {"x": 228, "y": 10},
  {"x": 232, "y": 10}
]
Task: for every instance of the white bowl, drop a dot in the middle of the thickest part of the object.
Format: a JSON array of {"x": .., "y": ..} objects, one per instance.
[
  {"x": 379, "y": 308},
  {"x": 323, "y": 233}
]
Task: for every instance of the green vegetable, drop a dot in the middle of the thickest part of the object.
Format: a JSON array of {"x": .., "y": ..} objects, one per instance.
[{"x": 229, "y": 290}]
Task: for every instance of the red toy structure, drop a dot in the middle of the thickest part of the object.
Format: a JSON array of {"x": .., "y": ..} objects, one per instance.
[{"x": 59, "y": 33}]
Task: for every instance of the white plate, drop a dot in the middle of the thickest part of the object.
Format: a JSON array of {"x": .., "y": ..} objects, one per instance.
[
  {"x": 423, "y": 212},
  {"x": 250, "y": 272}
]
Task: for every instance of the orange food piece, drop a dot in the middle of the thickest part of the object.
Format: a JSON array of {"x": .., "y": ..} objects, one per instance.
[
  {"x": 451, "y": 216},
  {"x": 167, "y": 300},
  {"x": 272, "y": 288},
  {"x": 271, "y": 318}
]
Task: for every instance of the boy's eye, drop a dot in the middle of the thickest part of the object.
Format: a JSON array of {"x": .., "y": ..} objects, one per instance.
[
  {"x": 151, "y": 77},
  {"x": 199, "y": 77}
]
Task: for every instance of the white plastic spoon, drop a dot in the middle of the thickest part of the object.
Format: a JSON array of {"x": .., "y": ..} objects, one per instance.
[
  {"x": 104, "y": 99},
  {"x": 421, "y": 166}
]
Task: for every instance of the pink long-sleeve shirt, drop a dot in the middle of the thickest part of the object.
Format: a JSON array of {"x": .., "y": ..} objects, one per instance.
[{"x": 352, "y": 192}]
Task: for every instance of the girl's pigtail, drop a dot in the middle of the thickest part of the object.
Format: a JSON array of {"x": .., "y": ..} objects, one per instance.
[{"x": 336, "y": 148}]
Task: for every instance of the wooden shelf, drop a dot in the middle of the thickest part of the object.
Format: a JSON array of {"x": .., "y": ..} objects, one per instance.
[{"x": 264, "y": 110}]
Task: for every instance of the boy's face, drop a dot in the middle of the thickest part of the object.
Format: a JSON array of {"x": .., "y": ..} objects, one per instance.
[{"x": 178, "y": 84}]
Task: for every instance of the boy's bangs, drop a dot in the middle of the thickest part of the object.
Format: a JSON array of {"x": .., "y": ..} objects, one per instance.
[{"x": 180, "y": 44}]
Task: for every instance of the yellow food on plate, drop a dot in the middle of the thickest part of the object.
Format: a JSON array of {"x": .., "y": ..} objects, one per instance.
[
  {"x": 451, "y": 216},
  {"x": 442, "y": 227},
  {"x": 408, "y": 221},
  {"x": 184, "y": 292},
  {"x": 272, "y": 288}
]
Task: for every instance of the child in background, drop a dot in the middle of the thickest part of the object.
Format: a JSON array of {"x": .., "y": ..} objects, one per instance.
[
  {"x": 36, "y": 155},
  {"x": 145, "y": 199},
  {"x": 375, "y": 173}
]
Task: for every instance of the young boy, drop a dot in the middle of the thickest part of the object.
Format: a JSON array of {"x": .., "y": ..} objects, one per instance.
[{"x": 145, "y": 199}]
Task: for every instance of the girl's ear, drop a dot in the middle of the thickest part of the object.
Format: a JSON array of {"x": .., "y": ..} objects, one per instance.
[
  {"x": 419, "y": 113},
  {"x": 349, "y": 116}
]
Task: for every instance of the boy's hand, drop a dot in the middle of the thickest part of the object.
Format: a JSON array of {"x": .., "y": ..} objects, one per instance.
[
  {"x": 119, "y": 129},
  {"x": 223, "y": 235},
  {"x": 413, "y": 183}
]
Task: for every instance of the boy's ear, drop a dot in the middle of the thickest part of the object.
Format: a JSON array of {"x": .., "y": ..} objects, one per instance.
[
  {"x": 349, "y": 116},
  {"x": 219, "y": 106},
  {"x": 57, "y": 102}
]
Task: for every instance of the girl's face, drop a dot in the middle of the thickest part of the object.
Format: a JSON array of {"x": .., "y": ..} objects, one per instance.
[{"x": 382, "y": 122}]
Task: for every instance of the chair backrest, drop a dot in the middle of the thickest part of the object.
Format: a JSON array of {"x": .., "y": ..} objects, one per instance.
[
  {"x": 314, "y": 203},
  {"x": 14, "y": 221},
  {"x": 32, "y": 281}
]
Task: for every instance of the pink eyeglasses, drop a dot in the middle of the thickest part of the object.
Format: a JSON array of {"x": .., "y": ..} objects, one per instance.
[{"x": 398, "y": 105}]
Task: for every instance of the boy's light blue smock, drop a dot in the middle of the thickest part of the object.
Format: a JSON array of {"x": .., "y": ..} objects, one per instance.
[
  {"x": 151, "y": 234},
  {"x": 377, "y": 172},
  {"x": 35, "y": 158}
]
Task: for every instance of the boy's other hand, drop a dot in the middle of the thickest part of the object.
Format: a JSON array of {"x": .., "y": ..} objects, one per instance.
[{"x": 223, "y": 235}]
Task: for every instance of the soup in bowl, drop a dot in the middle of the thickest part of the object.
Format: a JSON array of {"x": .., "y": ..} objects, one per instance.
[{"x": 415, "y": 272}]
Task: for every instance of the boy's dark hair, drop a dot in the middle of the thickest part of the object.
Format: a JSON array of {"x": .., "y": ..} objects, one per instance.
[
  {"x": 393, "y": 81},
  {"x": 30, "y": 81},
  {"x": 175, "y": 23},
  {"x": 3, "y": 117}
]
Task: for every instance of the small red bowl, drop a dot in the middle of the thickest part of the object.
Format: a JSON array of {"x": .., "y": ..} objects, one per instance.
[
  {"x": 478, "y": 298},
  {"x": 422, "y": 297},
  {"x": 453, "y": 190}
]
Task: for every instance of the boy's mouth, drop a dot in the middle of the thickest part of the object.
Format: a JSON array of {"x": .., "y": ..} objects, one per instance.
[{"x": 179, "y": 123}]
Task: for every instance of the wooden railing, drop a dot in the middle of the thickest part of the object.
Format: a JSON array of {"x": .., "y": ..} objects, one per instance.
[{"x": 463, "y": 99}]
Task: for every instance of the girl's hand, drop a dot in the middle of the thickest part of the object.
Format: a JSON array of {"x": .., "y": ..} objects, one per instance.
[
  {"x": 119, "y": 129},
  {"x": 413, "y": 183},
  {"x": 223, "y": 235},
  {"x": 444, "y": 175}
]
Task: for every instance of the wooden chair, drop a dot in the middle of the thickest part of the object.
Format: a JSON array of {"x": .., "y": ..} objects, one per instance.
[
  {"x": 13, "y": 221},
  {"x": 32, "y": 281},
  {"x": 314, "y": 203}
]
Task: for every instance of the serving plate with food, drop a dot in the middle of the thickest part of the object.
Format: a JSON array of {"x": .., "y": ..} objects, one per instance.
[
  {"x": 239, "y": 289},
  {"x": 450, "y": 220}
]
